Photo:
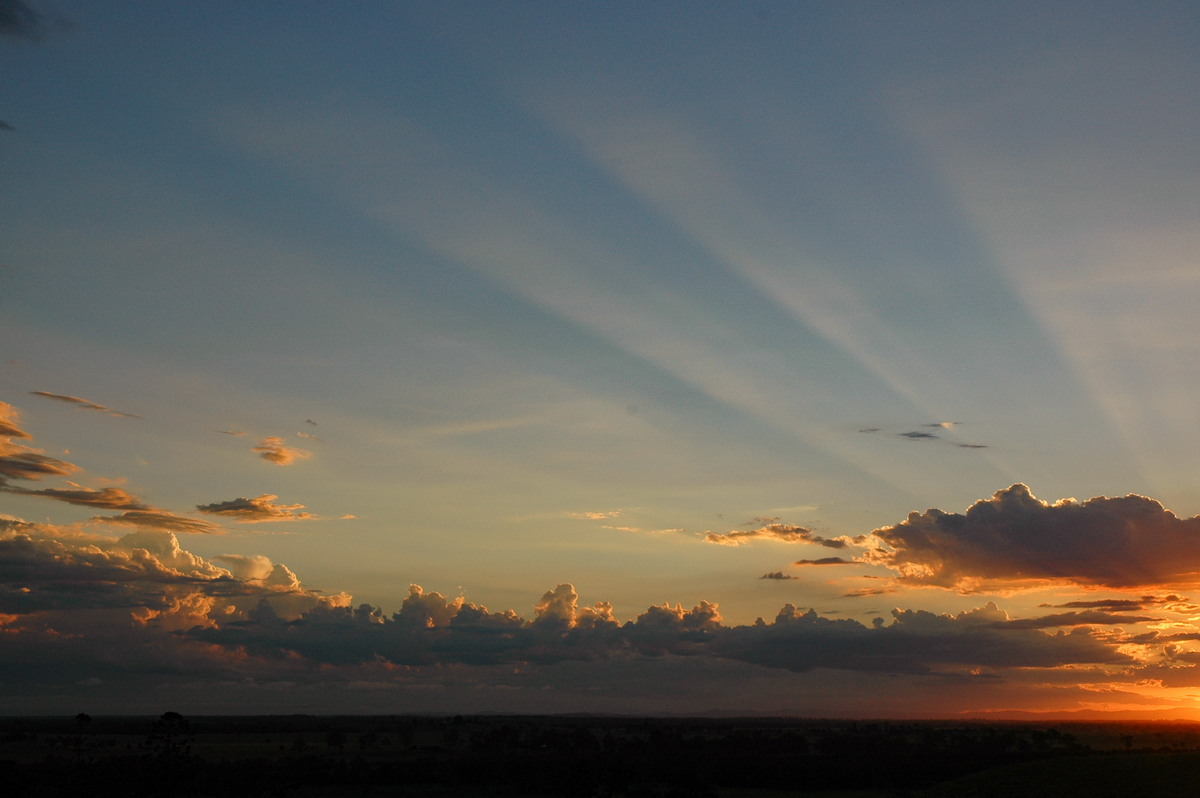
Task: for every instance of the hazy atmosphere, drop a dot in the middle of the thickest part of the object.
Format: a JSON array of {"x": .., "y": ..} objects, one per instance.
[{"x": 824, "y": 359}]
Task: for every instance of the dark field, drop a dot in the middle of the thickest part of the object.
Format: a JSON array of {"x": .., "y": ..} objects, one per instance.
[{"x": 588, "y": 756}]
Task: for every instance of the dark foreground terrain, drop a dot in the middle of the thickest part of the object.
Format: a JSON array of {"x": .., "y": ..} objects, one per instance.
[{"x": 305, "y": 756}]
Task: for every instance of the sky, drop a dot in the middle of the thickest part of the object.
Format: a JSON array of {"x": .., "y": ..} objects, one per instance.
[{"x": 814, "y": 359}]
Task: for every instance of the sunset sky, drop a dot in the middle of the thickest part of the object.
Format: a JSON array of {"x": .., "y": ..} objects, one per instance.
[{"x": 819, "y": 359}]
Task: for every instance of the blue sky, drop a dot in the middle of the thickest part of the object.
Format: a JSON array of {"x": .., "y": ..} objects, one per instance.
[{"x": 528, "y": 294}]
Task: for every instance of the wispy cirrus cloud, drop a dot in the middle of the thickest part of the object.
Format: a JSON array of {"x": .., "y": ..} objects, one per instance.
[
  {"x": 107, "y": 498},
  {"x": 152, "y": 518},
  {"x": 273, "y": 449},
  {"x": 258, "y": 510},
  {"x": 83, "y": 404},
  {"x": 1015, "y": 537}
]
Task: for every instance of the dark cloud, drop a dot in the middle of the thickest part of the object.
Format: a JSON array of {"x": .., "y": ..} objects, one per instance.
[
  {"x": 142, "y": 606},
  {"x": 1086, "y": 618},
  {"x": 778, "y": 575},
  {"x": 919, "y": 436},
  {"x": 19, "y": 21},
  {"x": 83, "y": 404},
  {"x": 274, "y": 450},
  {"x": 826, "y": 561},
  {"x": 1115, "y": 605},
  {"x": 257, "y": 510},
  {"x": 45, "y": 568},
  {"x": 1015, "y": 537}
]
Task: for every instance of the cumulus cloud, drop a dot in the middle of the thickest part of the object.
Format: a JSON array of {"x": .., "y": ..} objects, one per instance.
[
  {"x": 778, "y": 575},
  {"x": 1015, "y": 537},
  {"x": 47, "y": 568},
  {"x": 260, "y": 509},
  {"x": 274, "y": 450},
  {"x": 83, "y": 404}
]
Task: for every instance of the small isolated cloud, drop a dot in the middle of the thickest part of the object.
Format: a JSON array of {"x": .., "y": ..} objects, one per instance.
[
  {"x": 83, "y": 404},
  {"x": 778, "y": 575},
  {"x": 257, "y": 510},
  {"x": 152, "y": 518},
  {"x": 274, "y": 450},
  {"x": 1015, "y": 537},
  {"x": 923, "y": 434},
  {"x": 826, "y": 561},
  {"x": 595, "y": 515},
  {"x": 788, "y": 533},
  {"x": 235, "y": 433}
]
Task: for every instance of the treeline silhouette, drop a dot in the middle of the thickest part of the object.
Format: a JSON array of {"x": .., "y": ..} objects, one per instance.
[{"x": 537, "y": 756}]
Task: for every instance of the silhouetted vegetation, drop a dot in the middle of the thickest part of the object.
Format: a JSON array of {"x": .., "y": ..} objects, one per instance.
[{"x": 586, "y": 756}]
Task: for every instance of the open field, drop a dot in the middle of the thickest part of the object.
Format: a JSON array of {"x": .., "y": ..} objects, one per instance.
[{"x": 306, "y": 756}]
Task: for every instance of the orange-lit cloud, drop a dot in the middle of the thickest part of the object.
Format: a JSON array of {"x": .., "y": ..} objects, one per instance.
[
  {"x": 257, "y": 510},
  {"x": 107, "y": 498},
  {"x": 152, "y": 518},
  {"x": 9, "y": 420},
  {"x": 1116, "y": 542},
  {"x": 19, "y": 461},
  {"x": 788, "y": 533},
  {"x": 274, "y": 450}
]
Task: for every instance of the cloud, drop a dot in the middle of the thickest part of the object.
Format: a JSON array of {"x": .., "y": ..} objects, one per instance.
[
  {"x": 919, "y": 436},
  {"x": 19, "y": 21},
  {"x": 1086, "y": 618},
  {"x": 1015, "y": 537},
  {"x": 83, "y": 404},
  {"x": 107, "y": 498},
  {"x": 778, "y": 575},
  {"x": 257, "y": 510},
  {"x": 594, "y": 515},
  {"x": 788, "y": 533},
  {"x": 274, "y": 450},
  {"x": 152, "y": 518},
  {"x": 19, "y": 461},
  {"x": 827, "y": 561},
  {"x": 10, "y": 418}
]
